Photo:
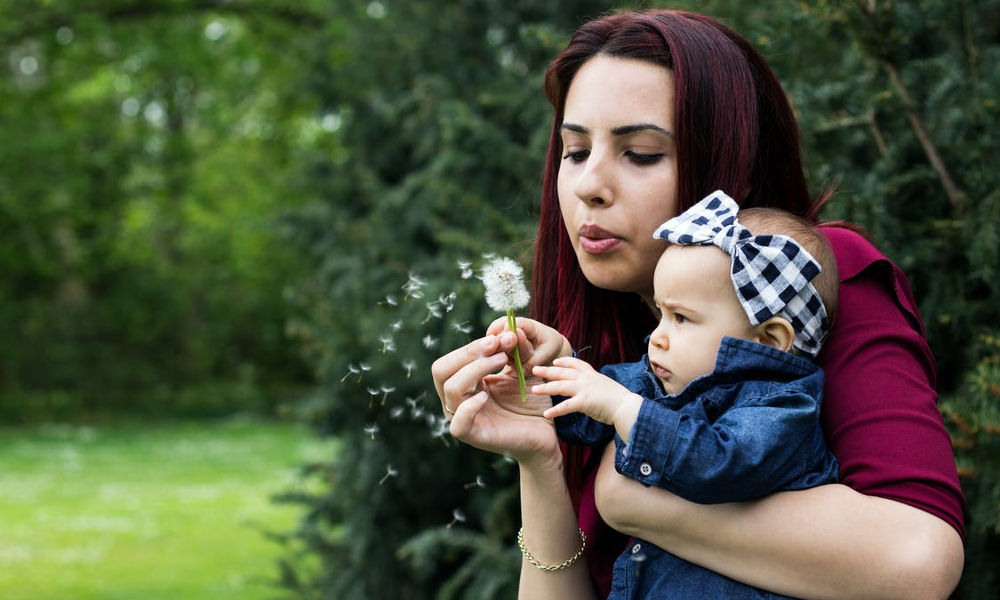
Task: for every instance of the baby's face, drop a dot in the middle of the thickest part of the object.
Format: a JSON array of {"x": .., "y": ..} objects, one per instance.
[{"x": 698, "y": 307}]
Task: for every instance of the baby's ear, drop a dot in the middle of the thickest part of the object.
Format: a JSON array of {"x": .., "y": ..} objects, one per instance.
[{"x": 776, "y": 332}]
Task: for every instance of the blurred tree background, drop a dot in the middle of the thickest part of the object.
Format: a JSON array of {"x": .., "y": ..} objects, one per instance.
[{"x": 211, "y": 206}]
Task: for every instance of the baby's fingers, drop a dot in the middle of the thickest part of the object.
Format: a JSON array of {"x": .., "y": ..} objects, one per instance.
[
  {"x": 563, "y": 408},
  {"x": 555, "y": 388}
]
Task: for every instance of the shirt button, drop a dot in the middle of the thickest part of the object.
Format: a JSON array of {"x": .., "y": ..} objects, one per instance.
[
  {"x": 636, "y": 548},
  {"x": 645, "y": 469}
]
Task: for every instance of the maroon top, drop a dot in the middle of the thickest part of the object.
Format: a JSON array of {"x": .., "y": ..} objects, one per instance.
[{"x": 879, "y": 410}]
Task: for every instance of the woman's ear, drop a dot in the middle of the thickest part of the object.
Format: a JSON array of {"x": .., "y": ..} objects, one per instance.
[{"x": 776, "y": 332}]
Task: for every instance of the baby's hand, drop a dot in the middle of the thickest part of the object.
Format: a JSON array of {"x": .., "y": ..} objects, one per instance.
[{"x": 598, "y": 396}]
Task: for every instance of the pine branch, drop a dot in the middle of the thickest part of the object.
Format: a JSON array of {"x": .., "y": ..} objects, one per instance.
[
  {"x": 955, "y": 196},
  {"x": 880, "y": 33}
]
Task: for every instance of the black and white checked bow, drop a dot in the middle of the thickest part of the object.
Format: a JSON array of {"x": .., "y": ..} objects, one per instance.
[{"x": 771, "y": 273}]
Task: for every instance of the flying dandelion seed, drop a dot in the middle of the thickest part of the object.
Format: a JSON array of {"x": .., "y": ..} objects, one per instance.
[
  {"x": 414, "y": 287},
  {"x": 430, "y": 342},
  {"x": 462, "y": 327},
  {"x": 371, "y": 430},
  {"x": 396, "y": 412},
  {"x": 457, "y": 516},
  {"x": 386, "y": 390},
  {"x": 478, "y": 483},
  {"x": 391, "y": 300},
  {"x": 396, "y": 326},
  {"x": 409, "y": 365},
  {"x": 372, "y": 394},
  {"x": 351, "y": 370},
  {"x": 389, "y": 472},
  {"x": 433, "y": 312},
  {"x": 363, "y": 368},
  {"x": 465, "y": 269},
  {"x": 388, "y": 344},
  {"x": 447, "y": 302}
]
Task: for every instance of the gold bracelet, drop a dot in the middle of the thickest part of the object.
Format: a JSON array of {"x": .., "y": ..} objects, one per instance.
[{"x": 569, "y": 561}]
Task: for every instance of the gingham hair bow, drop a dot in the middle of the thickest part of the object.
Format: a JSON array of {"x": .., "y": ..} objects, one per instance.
[{"x": 771, "y": 273}]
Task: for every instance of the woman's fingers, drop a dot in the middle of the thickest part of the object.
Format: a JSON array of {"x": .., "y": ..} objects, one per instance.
[
  {"x": 465, "y": 415},
  {"x": 467, "y": 380},
  {"x": 446, "y": 366}
]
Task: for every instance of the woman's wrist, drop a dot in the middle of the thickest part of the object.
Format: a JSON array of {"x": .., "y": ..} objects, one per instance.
[{"x": 542, "y": 464}]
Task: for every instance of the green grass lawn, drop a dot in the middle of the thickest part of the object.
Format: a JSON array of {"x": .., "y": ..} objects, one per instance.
[{"x": 146, "y": 511}]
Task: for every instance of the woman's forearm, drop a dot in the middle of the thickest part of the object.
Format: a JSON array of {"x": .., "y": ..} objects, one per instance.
[
  {"x": 551, "y": 536},
  {"x": 825, "y": 542}
]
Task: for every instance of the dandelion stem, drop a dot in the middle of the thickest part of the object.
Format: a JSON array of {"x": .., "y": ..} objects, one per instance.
[{"x": 512, "y": 324}]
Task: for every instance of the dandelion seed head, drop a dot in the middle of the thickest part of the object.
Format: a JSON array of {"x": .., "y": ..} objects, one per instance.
[{"x": 503, "y": 279}]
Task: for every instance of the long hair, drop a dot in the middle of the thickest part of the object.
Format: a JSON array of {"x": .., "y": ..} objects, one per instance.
[{"x": 735, "y": 131}]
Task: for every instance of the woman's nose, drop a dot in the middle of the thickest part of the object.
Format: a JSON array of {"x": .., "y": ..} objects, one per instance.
[{"x": 595, "y": 185}]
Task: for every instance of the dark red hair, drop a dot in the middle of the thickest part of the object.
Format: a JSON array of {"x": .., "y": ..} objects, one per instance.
[{"x": 735, "y": 131}]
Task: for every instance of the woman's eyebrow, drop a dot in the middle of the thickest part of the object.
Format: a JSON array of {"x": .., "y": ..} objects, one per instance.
[
  {"x": 620, "y": 130},
  {"x": 627, "y": 129}
]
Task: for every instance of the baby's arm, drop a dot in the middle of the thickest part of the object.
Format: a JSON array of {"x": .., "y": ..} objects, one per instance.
[
  {"x": 751, "y": 450},
  {"x": 598, "y": 396}
]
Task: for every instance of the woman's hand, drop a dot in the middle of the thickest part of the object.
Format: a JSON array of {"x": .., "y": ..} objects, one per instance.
[
  {"x": 485, "y": 406},
  {"x": 538, "y": 344}
]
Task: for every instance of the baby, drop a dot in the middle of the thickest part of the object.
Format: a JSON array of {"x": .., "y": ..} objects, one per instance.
[{"x": 725, "y": 405}]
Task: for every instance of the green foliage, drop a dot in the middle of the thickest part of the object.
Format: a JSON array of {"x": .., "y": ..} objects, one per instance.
[
  {"x": 143, "y": 262},
  {"x": 436, "y": 160},
  {"x": 973, "y": 416}
]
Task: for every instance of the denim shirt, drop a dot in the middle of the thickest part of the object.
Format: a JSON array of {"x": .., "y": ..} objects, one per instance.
[{"x": 747, "y": 429}]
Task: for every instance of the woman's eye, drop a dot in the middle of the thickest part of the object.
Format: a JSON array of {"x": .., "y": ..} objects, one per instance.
[
  {"x": 643, "y": 159},
  {"x": 577, "y": 156}
]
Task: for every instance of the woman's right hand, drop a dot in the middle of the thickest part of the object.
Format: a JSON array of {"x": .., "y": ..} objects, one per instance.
[{"x": 485, "y": 406}]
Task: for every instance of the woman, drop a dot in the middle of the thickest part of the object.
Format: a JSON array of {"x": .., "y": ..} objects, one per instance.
[{"x": 652, "y": 112}]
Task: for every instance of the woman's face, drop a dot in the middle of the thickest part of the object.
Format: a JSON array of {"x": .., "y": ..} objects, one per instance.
[{"x": 618, "y": 175}]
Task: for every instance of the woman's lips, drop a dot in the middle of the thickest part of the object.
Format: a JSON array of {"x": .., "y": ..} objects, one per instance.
[{"x": 596, "y": 240}]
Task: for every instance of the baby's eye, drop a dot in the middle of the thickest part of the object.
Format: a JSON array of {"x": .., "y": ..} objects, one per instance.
[
  {"x": 577, "y": 156},
  {"x": 679, "y": 318}
]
